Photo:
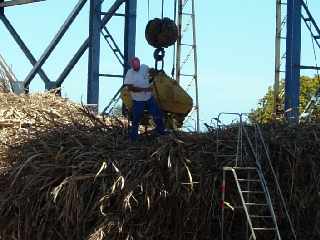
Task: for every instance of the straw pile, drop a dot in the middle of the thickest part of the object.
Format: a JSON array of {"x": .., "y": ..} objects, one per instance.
[{"x": 66, "y": 174}]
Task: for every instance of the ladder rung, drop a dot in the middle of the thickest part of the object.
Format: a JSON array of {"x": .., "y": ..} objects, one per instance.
[
  {"x": 185, "y": 44},
  {"x": 187, "y": 75},
  {"x": 256, "y": 204},
  {"x": 249, "y": 180},
  {"x": 257, "y": 216},
  {"x": 307, "y": 19},
  {"x": 264, "y": 229},
  {"x": 316, "y": 37},
  {"x": 253, "y": 192},
  {"x": 187, "y": 14}
]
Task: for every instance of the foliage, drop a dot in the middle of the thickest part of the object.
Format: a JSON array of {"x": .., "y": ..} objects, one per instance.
[{"x": 264, "y": 111}]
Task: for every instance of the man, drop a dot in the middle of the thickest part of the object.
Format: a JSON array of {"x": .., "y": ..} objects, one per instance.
[{"x": 137, "y": 81}]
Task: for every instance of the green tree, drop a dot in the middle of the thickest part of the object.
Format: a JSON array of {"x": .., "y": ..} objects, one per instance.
[{"x": 264, "y": 111}]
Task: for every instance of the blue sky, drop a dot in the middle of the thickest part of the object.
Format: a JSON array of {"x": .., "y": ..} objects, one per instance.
[{"x": 235, "y": 48}]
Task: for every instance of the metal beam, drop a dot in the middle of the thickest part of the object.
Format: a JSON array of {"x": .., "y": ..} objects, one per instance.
[
  {"x": 129, "y": 32},
  {"x": 304, "y": 5},
  {"x": 112, "y": 10},
  {"x": 277, "y": 56},
  {"x": 17, "y": 2},
  {"x": 85, "y": 44},
  {"x": 1, "y": 8},
  {"x": 54, "y": 42},
  {"x": 72, "y": 62},
  {"x": 94, "y": 52},
  {"x": 115, "y": 14},
  {"x": 179, "y": 41},
  {"x": 113, "y": 45},
  {"x": 111, "y": 75},
  {"x": 311, "y": 23},
  {"x": 195, "y": 59},
  {"x": 23, "y": 46},
  {"x": 310, "y": 67},
  {"x": 293, "y": 58}
]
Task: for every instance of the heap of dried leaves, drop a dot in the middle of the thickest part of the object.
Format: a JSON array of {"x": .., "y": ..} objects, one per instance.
[{"x": 68, "y": 175}]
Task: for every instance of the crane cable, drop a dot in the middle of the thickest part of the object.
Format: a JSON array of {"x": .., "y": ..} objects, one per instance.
[
  {"x": 162, "y": 9},
  {"x": 148, "y": 10},
  {"x": 174, "y": 48}
]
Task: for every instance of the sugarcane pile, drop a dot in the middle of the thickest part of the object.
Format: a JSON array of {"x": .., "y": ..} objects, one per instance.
[{"x": 67, "y": 174}]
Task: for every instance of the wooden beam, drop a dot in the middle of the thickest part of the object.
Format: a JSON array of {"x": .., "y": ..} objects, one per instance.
[{"x": 17, "y": 2}]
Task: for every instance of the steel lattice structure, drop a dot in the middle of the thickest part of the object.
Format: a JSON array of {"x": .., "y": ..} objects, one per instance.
[
  {"x": 297, "y": 11},
  {"x": 98, "y": 21},
  {"x": 187, "y": 55}
]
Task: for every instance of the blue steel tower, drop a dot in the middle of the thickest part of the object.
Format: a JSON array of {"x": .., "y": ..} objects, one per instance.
[
  {"x": 293, "y": 56},
  {"x": 98, "y": 21},
  {"x": 297, "y": 11}
]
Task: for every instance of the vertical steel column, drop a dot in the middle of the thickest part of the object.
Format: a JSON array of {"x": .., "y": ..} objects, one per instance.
[
  {"x": 277, "y": 57},
  {"x": 223, "y": 191},
  {"x": 129, "y": 32},
  {"x": 178, "y": 58},
  {"x": 1, "y": 9},
  {"x": 85, "y": 44},
  {"x": 292, "y": 84},
  {"x": 94, "y": 52},
  {"x": 195, "y": 59}
]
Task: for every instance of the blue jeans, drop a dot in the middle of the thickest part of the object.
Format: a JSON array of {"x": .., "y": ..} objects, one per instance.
[{"x": 137, "y": 113}]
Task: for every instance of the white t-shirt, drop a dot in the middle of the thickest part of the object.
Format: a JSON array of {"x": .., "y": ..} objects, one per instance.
[{"x": 139, "y": 79}]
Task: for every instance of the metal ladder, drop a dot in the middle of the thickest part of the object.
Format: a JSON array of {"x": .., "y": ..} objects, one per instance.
[
  {"x": 255, "y": 201},
  {"x": 251, "y": 186},
  {"x": 113, "y": 45},
  {"x": 186, "y": 53},
  {"x": 236, "y": 157}
]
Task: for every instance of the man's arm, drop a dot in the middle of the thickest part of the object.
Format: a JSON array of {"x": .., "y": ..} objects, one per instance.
[
  {"x": 129, "y": 84},
  {"x": 138, "y": 89}
]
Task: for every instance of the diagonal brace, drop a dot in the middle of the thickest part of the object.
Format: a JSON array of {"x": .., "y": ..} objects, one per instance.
[
  {"x": 23, "y": 46},
  {"x": 85, "y": 44},
  {"x": 54, "y": 42},
  {"x": 310, "y": 16},
  {"x": 311, "y": 19}
]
